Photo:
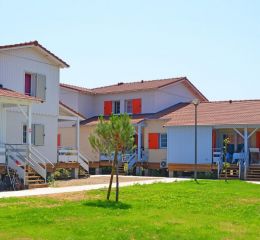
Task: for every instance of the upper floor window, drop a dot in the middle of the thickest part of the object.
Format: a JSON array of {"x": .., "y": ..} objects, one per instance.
[
  {"x": 35, "y": 85},
  {"x": 129, "y": 106},
  {"x": 133, "y": 106},
  {"x": 116, "y": 107},
  {"x": 163, "y": 140}
]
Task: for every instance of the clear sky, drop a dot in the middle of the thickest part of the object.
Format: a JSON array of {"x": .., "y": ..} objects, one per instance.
[{"x": 215, "y": 43}]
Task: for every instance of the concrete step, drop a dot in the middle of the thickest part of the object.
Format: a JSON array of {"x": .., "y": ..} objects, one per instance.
[{"x": 41, "y": 185}]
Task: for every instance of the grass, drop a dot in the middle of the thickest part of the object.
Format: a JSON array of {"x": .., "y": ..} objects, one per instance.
[{"x": 186, "y": 210}]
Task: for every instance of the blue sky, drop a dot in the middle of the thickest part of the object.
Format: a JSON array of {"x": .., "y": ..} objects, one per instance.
[{"x": 216, "y": 44}]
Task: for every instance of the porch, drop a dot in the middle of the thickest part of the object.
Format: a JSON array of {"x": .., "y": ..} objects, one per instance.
[
  {"x": 22, "y": 165},
  {"x": 70, "y": 157},
  {"x": 243, "y": 150}
]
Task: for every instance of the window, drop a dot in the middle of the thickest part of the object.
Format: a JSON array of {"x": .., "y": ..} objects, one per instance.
[
  {"x": 24, "y": 134},
  {"x": 129, "y": 106},
  {"x": 163, "y": 140},
  {"x": 37, "y": 134},
  {"x": 116, "y": 107},
  {"x": 35, "y": 85}
]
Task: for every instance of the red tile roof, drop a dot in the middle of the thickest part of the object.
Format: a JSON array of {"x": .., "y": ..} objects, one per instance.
[
  {"x": 7, "y": 93},
  {"x": 37, "y": 45},
  {"x": 139, "y": 86},
  {"x": 72, "y": 110},
  {"x": 215, "y": 113},
  {"x": 76, "y": 88},
  {"x": 135, "y": 119}
]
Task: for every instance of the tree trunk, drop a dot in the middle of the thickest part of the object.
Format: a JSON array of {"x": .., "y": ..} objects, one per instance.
[
  {"x": 111, "y": 177},
  {"x": 117, "y": 181}
]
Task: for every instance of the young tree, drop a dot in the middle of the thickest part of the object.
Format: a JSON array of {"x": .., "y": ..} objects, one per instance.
[
  {"x": 226, "y": 164},
  {"x": 113, "y": 137}
]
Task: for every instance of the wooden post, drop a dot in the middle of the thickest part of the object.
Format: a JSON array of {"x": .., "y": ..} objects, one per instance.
[
  {"x": 139, "y": 142},
  {"x": 29, "y": 126},
  {"x": 78, "y": 137}
]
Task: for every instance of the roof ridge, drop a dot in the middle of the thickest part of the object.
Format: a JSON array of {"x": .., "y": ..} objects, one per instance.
[
  {"x": 72, "y": 85},
  {"x": 231, "y": 101},
  {"x": 36, "y": 44},
  {"x": 141, "y": 81}
]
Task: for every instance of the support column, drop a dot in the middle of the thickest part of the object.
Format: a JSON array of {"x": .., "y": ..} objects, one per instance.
[
  {"x": 170, "y": 173},
  {"x": 29, "y": 126},
  {"x": 78, "y": 136},
  {"x": 246, "y": 143},
  {"x": 139, "y": 143}
]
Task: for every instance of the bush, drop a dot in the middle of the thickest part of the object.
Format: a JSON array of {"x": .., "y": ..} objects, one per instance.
[{"x": 62, "y": 174}]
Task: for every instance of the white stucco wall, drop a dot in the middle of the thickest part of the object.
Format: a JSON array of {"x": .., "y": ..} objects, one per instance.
[
  {"x": 13, "y": 66},
  {"x": 181, "y": 144},
  {"x": 70, "y": 98},
  {"x": 170, "y": 95},
  {"x": 15, "y": 121}
]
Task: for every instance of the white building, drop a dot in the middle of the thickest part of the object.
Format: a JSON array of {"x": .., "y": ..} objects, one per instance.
[{"x": 30, "y": 74}]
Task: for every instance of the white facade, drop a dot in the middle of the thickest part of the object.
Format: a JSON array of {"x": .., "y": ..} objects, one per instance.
[
  {"x": 181, "y": 144},
  {"x": 152, "y": 100},
  {"x": 14, "y": 63}
]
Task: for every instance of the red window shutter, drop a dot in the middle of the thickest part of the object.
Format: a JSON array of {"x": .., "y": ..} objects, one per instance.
[
  {"x": 59, "y": 140},
  {"x": 27, "y": 87},
  {"x": 214, "y": 140},
  {"x": 153, "y": 140},
  {"x": 107, "y": 108},
  {"x": 258, "y": 139},
  {"x": 137, "y": 106}
]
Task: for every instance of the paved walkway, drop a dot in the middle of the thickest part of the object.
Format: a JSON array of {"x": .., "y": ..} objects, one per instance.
[{"x": 53, "y": 190}]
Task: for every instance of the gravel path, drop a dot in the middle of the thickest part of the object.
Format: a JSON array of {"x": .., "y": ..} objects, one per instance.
[{"x": 57, "y": 190}]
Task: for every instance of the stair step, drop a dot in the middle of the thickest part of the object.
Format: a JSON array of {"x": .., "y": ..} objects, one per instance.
[
  {"x": 33, "y": 177},
  {"x": 35, "y": 181}
]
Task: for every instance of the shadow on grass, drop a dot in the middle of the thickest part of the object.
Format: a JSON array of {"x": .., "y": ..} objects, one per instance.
[{"x": 107, "y": 204}]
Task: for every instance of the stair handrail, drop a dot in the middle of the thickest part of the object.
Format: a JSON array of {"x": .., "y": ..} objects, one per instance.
[
  {"x": 28, "y": 160},
  {"x": 41, "y": 156},
  {"x": 83, "y": 161},
  {"x": 21, "y": 157}
]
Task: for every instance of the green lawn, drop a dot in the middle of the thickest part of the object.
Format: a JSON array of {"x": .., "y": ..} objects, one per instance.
[{"x": 208, "y": 210}]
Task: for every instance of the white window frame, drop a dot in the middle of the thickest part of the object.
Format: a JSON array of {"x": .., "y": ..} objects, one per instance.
[
  {"x": 165, "y": 134},
  {"x": 33, "y": 134},
  {"x": 33, "y": 92},
  {"x": 126, "y": 103},
  {"x": 114, "y": 108}
]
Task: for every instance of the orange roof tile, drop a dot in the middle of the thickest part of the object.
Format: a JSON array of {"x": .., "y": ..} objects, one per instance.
[
  {"x": 35, "y": 44},
  {"x": 215, "y": 113},
  {"x": 4, "y": 92},
  {"x": 71, "y": 110},
  {"x": 135, "y": 119},
  {"x": 138, "y": 86},
  {"x": 77, "y": 88}
]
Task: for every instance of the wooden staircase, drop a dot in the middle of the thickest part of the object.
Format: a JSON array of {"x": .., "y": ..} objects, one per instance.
[
  {"x": 83, "y": 173},
  {"x": 121, "y": 170},
  {"x": 33, "y": 179},
  {"x": 232, "y": 172},
  {"x": 253, "y": 173}
]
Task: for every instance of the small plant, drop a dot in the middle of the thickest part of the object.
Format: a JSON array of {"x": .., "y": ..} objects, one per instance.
[
  {"x": 51, "y": 180},
  {"x": 226, "y": 165},
  {"x": 62, "y": 174}
]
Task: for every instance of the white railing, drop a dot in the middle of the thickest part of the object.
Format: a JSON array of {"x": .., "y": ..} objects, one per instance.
[
  {"x": 83, "y": 161},
  {"x": 69, "y": 154},
  {"x": 40, "y": 156},
  {"x": 27, "y": 157},
  {"x": 2, "y": 153}
]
